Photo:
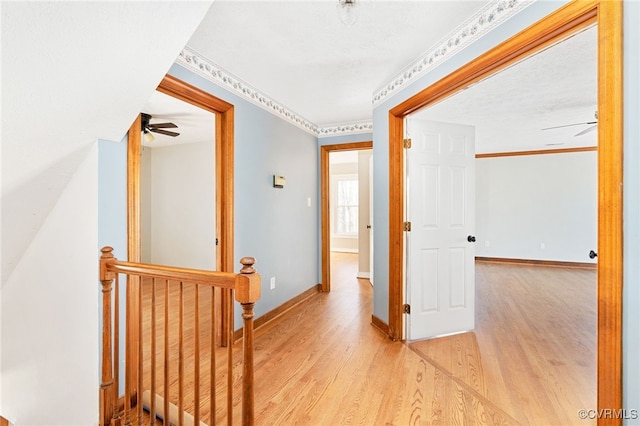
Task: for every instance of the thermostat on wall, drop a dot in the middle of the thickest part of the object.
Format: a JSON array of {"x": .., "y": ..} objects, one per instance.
[{"x": 278, "y": 181}]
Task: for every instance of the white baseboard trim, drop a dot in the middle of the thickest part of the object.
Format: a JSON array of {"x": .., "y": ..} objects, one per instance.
[
  {"x": 365, "y": 275},
  {"x": 345, "y": 250}
]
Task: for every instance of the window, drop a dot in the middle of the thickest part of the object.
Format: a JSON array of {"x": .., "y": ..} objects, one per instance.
[{"x": 346, "y": 204}]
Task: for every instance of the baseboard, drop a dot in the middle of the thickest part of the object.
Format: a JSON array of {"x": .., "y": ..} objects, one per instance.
[
  {"x": 555, "y": 263},
  {"x": 263, "y": 319},
  {"x": 3, "y": 421},
  {"x": 344, "y": 250},
  {"x": 364, "y": 275},
  {"x": 380, "y": 325}
]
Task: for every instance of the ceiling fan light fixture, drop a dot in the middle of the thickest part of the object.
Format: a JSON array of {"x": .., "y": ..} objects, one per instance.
[
  {"x": 348, "y": 11},
  {"x": 148, "y": 136}
]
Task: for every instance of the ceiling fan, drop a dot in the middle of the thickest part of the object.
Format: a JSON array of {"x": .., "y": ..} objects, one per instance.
[
  {"x": 594, "y": 126},
  {"x": 157, "y": 127}
]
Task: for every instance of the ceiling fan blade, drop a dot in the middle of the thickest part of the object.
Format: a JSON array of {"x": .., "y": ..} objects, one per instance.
[
  {"x": 587, "y": 130},
  {"x": 162, "y": 125},
  {"x": 164, "y": 132},
  {"x": 570, "y": 125}
]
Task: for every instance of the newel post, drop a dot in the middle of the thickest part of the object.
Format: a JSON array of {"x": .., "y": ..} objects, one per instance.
[
  {"x": 107, "y": 390},
  {"x": 247, "y": 292}
]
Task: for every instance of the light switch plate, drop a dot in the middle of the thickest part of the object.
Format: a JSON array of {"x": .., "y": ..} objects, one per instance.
[{"x": 278, "y": 181}]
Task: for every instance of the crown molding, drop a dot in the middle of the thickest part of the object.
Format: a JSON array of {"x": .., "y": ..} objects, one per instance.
[
  {"x": 482, "y": 22},
  {"x": 489, "y": 17}
]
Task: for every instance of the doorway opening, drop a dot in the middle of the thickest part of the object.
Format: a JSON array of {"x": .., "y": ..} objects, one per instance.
[
  {"x": 178, "y": 221},
  {"x": 350, "y": 224},
  {"x": 349, "y": 205},
  {"x": 535, "y": 214},
  {"x": 566, "y": 21}
]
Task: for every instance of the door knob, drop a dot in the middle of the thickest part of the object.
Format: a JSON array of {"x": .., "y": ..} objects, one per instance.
[
  {"x": 368, "y": 226},
  {"x": 471, "y": 239},
  {"x": 593, "y": 254}
]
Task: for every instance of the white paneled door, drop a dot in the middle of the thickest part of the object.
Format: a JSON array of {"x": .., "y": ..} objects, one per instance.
[{"x": 440, "y": 244}]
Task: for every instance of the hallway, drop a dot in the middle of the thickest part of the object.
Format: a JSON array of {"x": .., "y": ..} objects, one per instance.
[{"x": 322, "y": 363}]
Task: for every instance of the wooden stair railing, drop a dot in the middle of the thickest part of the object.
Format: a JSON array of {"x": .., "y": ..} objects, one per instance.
[{"x": 155, "y": 356}]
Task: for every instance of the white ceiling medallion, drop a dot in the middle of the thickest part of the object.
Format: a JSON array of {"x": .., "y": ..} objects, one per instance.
[{"x": 471, "y": 30}]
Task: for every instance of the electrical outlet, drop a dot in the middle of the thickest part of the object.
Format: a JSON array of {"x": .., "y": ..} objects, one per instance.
[
  {"x": 272, "y": 283},
  {"x": 486, "y": 244},
  {"x": 543, "y": 246}
]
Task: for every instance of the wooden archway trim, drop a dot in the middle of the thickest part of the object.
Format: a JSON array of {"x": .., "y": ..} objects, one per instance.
[
  {"x": 573, "y": 17},
  {"x": 325, "y": 285},
  {"x": 224, "y": 161}
]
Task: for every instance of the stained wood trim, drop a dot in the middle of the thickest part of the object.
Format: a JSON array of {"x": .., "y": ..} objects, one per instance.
[
  {"x": 380, "y": 325},
  {"x": 177, "y": 88},
  {"x": 3, "y": 421},
  {"x": 610, "y": 226},
  {"x": 538, "y": 152},
  {"x": 569, "y": 19},
  {"x": 132, "y": 308},
  {"x": 324, "y": 204},
  {"x": 553, "y": 263},
  {"x": 396, "y": 226},
  {"x": 133, "y": 190},
  {"x": 276, "y": 312}
]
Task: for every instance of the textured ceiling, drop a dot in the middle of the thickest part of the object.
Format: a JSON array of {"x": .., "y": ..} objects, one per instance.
[{"x": 301, "y": 55}]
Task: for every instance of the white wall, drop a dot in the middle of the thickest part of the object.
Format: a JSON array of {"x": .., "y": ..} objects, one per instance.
[
  {"x": 50, "y": 305},
  {"x": 180, "y": 210},
  {"x": 524, "y": 202},
  {"x": 364, "y": 234}
]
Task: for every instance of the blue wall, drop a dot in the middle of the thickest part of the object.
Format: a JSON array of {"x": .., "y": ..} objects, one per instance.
[
  {"x": 631, "y": 294},
  {"x": 112, "y": 216},
  {"x": 335, "y": 140},
  {"x": 276, "y": 226}
]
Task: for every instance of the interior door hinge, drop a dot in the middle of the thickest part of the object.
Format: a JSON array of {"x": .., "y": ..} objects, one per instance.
[
  {"x": 406, "y": 308},
  {"x": 407, "y": 226},
  {"x": 407, "y": 143}
]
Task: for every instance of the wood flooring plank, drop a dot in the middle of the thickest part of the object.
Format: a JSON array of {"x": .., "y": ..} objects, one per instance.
[{"x": 534, "y": 344}]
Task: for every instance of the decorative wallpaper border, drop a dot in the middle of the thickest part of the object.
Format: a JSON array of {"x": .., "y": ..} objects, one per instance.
[
  {"x": 346, "y": 129},
  {"x": 482, "y": 22},
  {"x": 193, "y": 61},
  {"x": 488, "y": 18}
]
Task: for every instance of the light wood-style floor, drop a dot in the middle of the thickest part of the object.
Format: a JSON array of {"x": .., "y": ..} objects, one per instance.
[
  {"x": 533, "y": 352},
  {"x": 531, "y": 359}
]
